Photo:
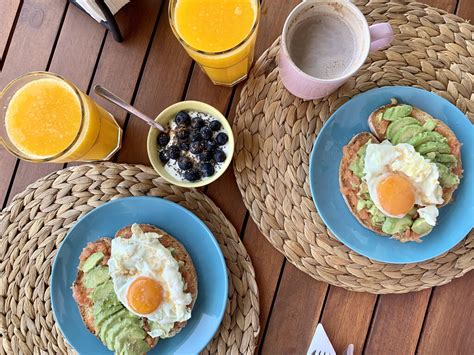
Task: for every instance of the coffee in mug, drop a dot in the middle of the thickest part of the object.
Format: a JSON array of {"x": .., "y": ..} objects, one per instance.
[{"x": 324, "y": 42}]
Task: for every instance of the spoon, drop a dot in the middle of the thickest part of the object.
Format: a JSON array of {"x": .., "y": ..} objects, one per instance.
[{"x": 106, "y": 94}]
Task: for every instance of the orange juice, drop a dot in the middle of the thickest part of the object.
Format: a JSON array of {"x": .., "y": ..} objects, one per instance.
[
  {"x": 48, "y": 119},
  {"x": 219, "y": 34}
]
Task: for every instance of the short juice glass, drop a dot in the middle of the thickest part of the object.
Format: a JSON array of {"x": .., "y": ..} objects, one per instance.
[
  {"x": 45, "y": 118},
  {"x": 225, "y": 57}
]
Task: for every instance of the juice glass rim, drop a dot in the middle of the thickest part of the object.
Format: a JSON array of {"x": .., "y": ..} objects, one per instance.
[
  {"x": 81, "y": 103},
  {"x": 171, "y": 12}
]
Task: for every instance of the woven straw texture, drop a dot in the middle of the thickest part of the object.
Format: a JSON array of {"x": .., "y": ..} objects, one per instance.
[
  {"x": 34, "y": 224},
  {"x": 275, "y": 133}
]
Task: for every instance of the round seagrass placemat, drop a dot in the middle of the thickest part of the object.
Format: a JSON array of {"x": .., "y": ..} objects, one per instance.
[
  {"x": 37, "y": 220},
  {"x": 275, "y": 133}
]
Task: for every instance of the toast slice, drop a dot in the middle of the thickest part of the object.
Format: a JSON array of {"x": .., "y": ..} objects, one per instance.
[
  {"x": 180, "y": 254},
  {"x": 350, "y": 185},
  {"x": 379, "y": 126},
  {"x": 81, "y": 292}
]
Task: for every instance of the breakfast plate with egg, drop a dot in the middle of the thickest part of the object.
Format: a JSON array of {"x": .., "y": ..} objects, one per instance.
[
  {"x": 139, "y": 275},
  {"x": 392, "y": 174}
]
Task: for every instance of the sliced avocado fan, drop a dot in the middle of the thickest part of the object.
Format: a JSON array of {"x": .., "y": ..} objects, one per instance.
[{"x": 119, "y": 329}]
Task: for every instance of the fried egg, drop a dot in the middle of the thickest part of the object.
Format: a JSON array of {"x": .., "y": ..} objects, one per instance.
[
  {"x": 399, "y": 178},
  {"x": 147, "y": 281}
]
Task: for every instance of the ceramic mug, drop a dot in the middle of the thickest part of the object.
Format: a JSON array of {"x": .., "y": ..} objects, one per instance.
[{"x": 364, "y": 39}]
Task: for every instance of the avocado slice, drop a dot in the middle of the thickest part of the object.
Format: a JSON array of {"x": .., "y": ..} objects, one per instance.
[
  {"x": 96, "y": 276},
  {"x": 420, "y": 226},
  {"x": 130, "y": 336},
  {"x": 119, "y": 328},
  {"x": 395, "y": 112},
  {"x": 103, "y": 311},
  {"x": 357, "y": 165},
  {"x": 405, "y": 133},
  {"x": 102, "y": 291},
  {"x": 396, "y": 225},
  {"x": 135, "y": 348},
  {"x": 395, "y": 126},
  {"x": 120, "y": 316},
  {"x": 426, "y": 136},
  {"x": 446, "y": 159},
  {"x": 92, "y": 261},
  {"x": 446, "y": 177},
  {"x": 429, "y": 125},
  {"x": 378, "y": 218},
  {"x": 437, "y": 147},
  {"x": 430, "y": 156}
]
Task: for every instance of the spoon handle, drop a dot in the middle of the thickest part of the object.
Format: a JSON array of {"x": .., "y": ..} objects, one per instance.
[{"x": 106, "y": 94}]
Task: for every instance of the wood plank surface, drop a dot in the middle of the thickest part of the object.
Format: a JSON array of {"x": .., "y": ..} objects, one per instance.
[
  {"x": 449, "y": 324},
  {"x": 295, "y": 314},
  {"x": 151, "y": 70},
  {"x": 397, "y": 323},
  {"x": 466, "y": 9},
  {"x": 8, "y": 13},
  {"x": 446, "y": 5}
]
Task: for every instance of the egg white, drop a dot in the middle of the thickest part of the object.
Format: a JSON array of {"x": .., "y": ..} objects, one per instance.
[
  {"x": 143, "y": 255},
  {"x": 384, "y": 158}
]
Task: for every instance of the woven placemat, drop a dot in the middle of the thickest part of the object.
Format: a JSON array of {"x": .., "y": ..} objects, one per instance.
[
  {"x": 34, "y": 224},
  {"x": 275, "y": 134}
]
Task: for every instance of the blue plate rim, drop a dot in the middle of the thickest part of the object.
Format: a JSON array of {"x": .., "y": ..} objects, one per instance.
[
  {"x": 171, "y": 203},
  {"x": 311, "y": 177}
]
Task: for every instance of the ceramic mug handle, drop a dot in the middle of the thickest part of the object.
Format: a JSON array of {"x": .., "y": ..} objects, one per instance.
[{"x": 381, "y": 35}]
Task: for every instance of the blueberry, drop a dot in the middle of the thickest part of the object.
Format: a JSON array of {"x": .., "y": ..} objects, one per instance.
[
  {"x": 164, "y": 157},
  {"x": 185, "y": 163},
  {"x": 182, "y": 118},
  {"x": 222, "y": 138},
  {"x": 182, "y": 134},
  {"x": 219, "y": 156},
  {"x": 173, "y": 152},
  {"x": 184, "y": 146},
  {"x": 206, "y": 156},
  {"x": 197, "y": 122},
  {"x": 207, "y": 169},
  {"x": 215, "y": 125},
  {"x": 192, "y": 175},
  {"x": 196, "y": 147},
  {"x": 195, "y": 136},
  {"x": 163, "y": 139},
  {"x": 210, "y": 145},
  {"x": 206, "y": 132}
]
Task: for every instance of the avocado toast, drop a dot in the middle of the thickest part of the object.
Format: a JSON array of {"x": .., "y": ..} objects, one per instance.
[
  {"x": 103, "y": 314},
  {"x": 429, "y": 137}
]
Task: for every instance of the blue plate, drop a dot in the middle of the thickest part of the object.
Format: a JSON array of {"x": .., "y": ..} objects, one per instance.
[
  {"x": 180, "y": 223},
  {"x": 455, "y": 220}
]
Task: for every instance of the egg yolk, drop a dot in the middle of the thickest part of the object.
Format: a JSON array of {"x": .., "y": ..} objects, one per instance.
[
  {"x": 144, "y": 295},
  {"x": 396, "y": 194}
]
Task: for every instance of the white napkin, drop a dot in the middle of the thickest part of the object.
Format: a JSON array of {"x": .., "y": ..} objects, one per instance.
[{"x": 92, "y": 9}]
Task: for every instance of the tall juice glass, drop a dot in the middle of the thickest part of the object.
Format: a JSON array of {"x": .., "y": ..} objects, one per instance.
[
  {"x": 218, "y": 34},
  {"x": 45, "y": 118}
]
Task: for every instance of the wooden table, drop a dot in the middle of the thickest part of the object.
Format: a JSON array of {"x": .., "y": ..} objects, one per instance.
[{"x": 151, "y": 70}]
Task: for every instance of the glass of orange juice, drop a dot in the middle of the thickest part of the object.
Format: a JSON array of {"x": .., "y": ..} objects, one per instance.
[
  {"x": 218, "y": 34},
  {"x": 45, "y": 118}
]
